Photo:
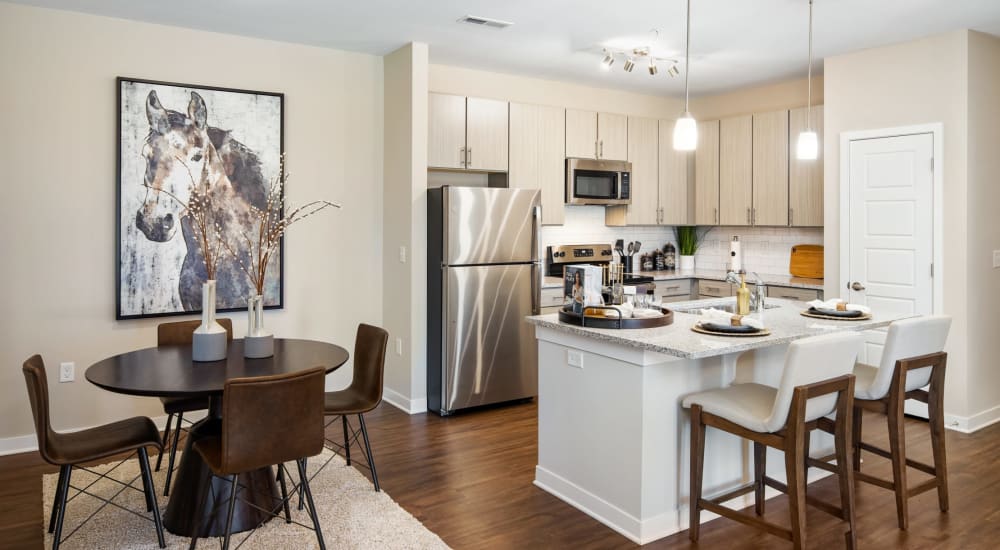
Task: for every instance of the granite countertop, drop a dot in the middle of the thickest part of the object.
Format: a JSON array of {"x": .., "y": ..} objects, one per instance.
[
  {"x": 768, "y": 278},
  {"x": 785, "y": 323}
]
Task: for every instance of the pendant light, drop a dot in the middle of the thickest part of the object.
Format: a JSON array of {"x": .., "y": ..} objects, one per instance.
[
  {"x": 807, "y": 147},
  {"x": 686, "y": 128}
]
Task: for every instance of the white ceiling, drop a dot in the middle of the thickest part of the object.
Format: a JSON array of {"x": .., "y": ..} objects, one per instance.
[{"x": 734, "y": 43}]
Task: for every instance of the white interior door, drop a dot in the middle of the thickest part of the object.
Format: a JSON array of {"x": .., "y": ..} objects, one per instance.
[{"x": 890, "y": 227}]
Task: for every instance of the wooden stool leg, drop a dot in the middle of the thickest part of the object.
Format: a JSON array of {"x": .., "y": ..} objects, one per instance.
[
  {"x": 935, "y": 413},
  {"x": 697, "y": 465},
  {"x": 844, "y": 443},
  {"x": 856, "y": 438},
  {"x": 759, "y": 470},
  {"x": 796, "y": 474},
  {"x": 897, "y": 447}
]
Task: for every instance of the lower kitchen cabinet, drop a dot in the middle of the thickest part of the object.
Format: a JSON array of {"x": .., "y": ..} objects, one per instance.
[
  {"x": 794, "y": 293},
  {"x": 714, "y": 289},
  {"x": 674, "y": 290}
]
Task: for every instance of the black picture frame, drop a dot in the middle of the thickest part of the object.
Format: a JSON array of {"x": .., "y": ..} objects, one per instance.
[{"x": 119, "y": 83}]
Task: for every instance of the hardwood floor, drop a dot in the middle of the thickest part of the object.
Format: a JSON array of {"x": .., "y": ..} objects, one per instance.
[{"x": 469, "y": 478}]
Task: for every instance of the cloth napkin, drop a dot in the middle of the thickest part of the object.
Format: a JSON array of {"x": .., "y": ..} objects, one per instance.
[
  {"x": 646, "y": 313},
  {"x": 832, "y": 304},
  {"x": 720, "y": 317}
]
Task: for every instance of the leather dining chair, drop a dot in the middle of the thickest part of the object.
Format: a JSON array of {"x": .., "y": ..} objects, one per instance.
[
  {"x": 70, "y": 450},
  {"x": 255, "y": 436},
  {"x": 816, "y": 382},
  {"x": 364, "y": 393},
  {"x": 180, "y": 334}
]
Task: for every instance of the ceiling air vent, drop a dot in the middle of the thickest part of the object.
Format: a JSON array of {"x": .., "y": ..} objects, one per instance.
[{"x": 485, "y": 22}]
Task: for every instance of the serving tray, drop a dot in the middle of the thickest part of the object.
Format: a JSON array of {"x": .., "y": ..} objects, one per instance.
[
  {"x": 761, "y": 332},
  {"x": 568, "y": 316},
  {"x": 862, "y": 317}
]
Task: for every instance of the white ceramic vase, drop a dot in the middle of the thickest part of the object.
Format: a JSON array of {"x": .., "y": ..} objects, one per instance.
[
  {"x": 686, "y": 263},
  {"x": 259, "y": 342},
  {"x": 209, "y": 342}
]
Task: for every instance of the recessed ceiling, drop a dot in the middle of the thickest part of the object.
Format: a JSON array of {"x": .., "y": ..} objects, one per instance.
[{"x": 734, "y": 43}]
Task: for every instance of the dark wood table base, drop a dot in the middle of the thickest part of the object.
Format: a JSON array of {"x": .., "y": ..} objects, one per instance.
[{"x": 258, "y": 487}]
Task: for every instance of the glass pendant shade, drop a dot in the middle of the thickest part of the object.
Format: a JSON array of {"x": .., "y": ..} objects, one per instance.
[
  {"x": 807, "y": 147},
  {"x": 685, "y": 133}
]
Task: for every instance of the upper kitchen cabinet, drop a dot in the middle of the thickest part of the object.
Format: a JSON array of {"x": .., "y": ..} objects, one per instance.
[
  {"x": 706, "y": 174},
  {"x": 673, "y": 177},
  {"x": 642, "y": 153},
  {"x": 467, "y": 133},
  {"x": 770, "y": 169},
  {"x": 736, "y": 170},
  {"x": 613, "y": 136},
  {"x": 537, "y": 156},
  {"x": 805, "y": 177},
  {"x": 592, "y": 135}
]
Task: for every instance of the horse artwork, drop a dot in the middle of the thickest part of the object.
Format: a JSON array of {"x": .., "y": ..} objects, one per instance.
[{"x": 173, "y": 137}]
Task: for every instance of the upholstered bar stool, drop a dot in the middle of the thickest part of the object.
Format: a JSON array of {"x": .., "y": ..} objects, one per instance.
[
  {"x": 816, "y": 382},
  {"x": 180, "y": 334},
  {"x": 911, "y": 359}
]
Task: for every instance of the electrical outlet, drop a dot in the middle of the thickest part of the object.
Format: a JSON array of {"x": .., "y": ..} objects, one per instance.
[
  {"x": 996, "y": 258},
  {"x": 574, "y": 358},
  {"x": 399, "y": 346},
  {"x": 402, "y": 254},
  {"x": 67, "y": 371}
]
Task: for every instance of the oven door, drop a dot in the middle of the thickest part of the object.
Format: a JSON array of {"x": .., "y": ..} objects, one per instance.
[{"x": 595, "y": 182}]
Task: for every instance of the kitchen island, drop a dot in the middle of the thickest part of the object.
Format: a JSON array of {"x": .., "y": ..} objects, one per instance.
[{"x": 613, "y": 440}]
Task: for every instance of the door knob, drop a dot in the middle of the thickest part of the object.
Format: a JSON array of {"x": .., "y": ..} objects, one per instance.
[{"x": 857, "y": 286}]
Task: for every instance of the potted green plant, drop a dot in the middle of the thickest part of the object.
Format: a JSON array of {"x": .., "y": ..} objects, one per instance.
[{"x": 688, "y": 240}]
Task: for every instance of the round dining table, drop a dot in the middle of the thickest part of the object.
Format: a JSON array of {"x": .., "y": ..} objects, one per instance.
[{"x": 169, "y": 371}]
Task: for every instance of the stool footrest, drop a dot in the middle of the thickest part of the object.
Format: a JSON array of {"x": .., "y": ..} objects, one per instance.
[
  {"x": 926, "y": 468},
  {"x": 834, "y": 511},
  {"x": 737, "y": 492},
  {"x": 922, "y": 487},
  {"x": 771, "y": 528},
  {"x": 861, "y": 476}
]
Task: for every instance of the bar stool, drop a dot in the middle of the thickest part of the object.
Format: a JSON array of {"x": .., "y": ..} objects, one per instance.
[
  {"x": 912, "y": 358},
  {"x": 816, "y": 381}
]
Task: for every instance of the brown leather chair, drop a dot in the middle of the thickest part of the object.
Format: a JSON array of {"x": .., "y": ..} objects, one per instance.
[
  {"x": 180, "y": 334},
  {"x": 255, "y": 436},
  {"x": 364, "y": 393},
  {"x": 69, "y": 450}
]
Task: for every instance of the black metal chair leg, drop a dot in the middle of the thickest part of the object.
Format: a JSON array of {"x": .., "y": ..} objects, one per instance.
[
  {"x": 150, "y": 491},
  {"x": 284, "y": 493},
  {"x": 200, "y": 509},
  {"x": 232, "y": 510},
  {"x": 312, "y": 506},
  {"x": 368, "y": 451},
  {"x": 173, "y": 454},
  {"x": 64, "y": 474},
  {"x": 301, "y": 495},
  {"x": 347, "y": 441},
  {"x": 166, "y": 439},
  {"x": 56, "y": 500}
]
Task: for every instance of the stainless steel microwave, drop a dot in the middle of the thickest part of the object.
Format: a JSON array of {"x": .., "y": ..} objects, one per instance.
[{"x": 590, "y": 181}]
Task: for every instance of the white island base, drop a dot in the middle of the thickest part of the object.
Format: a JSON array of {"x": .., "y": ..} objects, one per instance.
[{"x": 613, "y": 440}]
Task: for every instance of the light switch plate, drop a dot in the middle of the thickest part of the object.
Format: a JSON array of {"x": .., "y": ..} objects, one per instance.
[
  {"x": 402, "y": 254},
  {"x": 399, "y": 346},
  {"x": 996, "y": 258},
  {"x": 574, "y": 358}
]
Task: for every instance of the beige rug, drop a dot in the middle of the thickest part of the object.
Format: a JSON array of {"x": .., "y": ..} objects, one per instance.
[{"x": 351, "y": 513}]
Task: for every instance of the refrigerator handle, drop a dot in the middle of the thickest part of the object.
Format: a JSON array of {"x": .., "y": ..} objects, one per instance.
[
  {"x": 536, "y": 224},
  {"x": 536, "y": 288}
]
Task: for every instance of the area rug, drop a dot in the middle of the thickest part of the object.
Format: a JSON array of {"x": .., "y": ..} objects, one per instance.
[{"x": 351, "y": 513}]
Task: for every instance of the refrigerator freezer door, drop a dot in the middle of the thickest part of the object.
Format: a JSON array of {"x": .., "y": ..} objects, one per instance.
[
  {"x": 485, "y": 225},
  {"x": 490, "y": 353}
]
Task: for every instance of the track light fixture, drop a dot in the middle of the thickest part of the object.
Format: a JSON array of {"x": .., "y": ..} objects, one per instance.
[
  {"x": 629, "y": 64},
  {"x": 673, "y": 71},
  {"x": 608, "y": 61},
  {"x": 652, "y": 66},
  {"x": 634, "y": 55}
]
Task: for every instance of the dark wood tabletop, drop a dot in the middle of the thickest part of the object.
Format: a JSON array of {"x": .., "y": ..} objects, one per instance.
[{"x": 169, "y": 371}]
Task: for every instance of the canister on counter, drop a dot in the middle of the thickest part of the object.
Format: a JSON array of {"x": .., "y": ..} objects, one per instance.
[
  {"x": 659, "y": 261},
  {"x": 669, "y": 256},
  {"x": 648, "y": 263}
]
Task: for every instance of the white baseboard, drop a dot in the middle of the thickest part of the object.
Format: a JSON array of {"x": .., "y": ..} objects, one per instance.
[
  {"x": 970, "y": 424},
  {"x": 639, "y": 531},
  {"x": 28, "y": 443},
  {"x": 403, "y": 403}
]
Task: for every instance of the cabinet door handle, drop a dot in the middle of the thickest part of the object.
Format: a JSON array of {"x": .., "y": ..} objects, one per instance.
[
  {"x": 748, "y": 216},
  {"x": 716, "y": 210},
  {"x": 674, "y": 287},
  {"x": 468, "y": 157},
  {"x": 596, "y": 155},
  {"x": 790, "y": 212},
  {"x": 754, "y": 217},
  {"x": 463, "y": 162},
  {"x": 602, "y": 148}
]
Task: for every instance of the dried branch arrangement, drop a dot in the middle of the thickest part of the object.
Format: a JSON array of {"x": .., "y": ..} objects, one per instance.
[
  {"x": 199, "y": 210},
  {"x": 268, "y": 226}
]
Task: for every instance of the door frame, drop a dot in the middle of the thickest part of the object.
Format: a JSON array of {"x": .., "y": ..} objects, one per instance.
[{"x": 936, "y": 129}]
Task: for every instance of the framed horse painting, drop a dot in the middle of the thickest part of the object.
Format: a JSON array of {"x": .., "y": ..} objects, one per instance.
[{"x": 172, "y": 138}]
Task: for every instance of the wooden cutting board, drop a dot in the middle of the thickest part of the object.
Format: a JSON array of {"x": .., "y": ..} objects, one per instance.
[{"x": 806, "y": 261}]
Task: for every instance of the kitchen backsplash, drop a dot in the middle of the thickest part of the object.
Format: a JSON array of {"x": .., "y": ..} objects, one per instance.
[{"x": 765, "y": 249}]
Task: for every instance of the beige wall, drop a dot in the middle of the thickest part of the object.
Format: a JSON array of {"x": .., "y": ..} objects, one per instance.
[
  {"x": 788, "y": 94},
  {"x": 984, "y": 229},
  {"x": 522, "y": 89},
  {"x": 405, "y": 218},
  {"x": 57, "y": 150},
  {"x": 924, "y": 81}
]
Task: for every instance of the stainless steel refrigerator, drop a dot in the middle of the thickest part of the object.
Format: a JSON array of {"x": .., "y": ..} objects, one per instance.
[{"x": 483, "y": 279}]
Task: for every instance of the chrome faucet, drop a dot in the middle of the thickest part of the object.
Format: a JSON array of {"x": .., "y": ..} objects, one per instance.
[{"x": 757, "y": 294}]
